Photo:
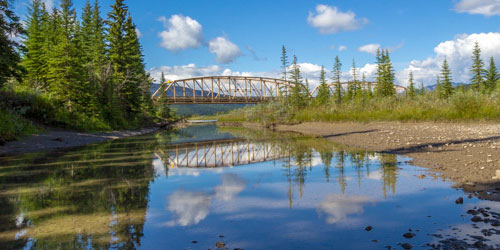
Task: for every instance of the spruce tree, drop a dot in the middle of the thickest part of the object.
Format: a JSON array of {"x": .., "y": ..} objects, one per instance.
[
  {"x": 35, "y": 56},
  {"x": 477, "y": 69},
  {"x": 297, "y": 98},
  {"x": 323, "y": 89},
  {"x": 411, "y": 86},
  {"x": 491, "y": 76},
  {"x": 385, "y": 75},
  {"x": 135, "y": 89},
  {"x": 284, "y": 63},
  {"x": 9, "y": 48},
  {"x": 337, "y": 71},
  {"x": 447, "y": 87},
  {"x": 351, "y": 87},
  {"x": 163, "y": 80}
]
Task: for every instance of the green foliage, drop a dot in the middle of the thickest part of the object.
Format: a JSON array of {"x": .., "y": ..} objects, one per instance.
[
  {"x": 284, "y": 63},
  {"x": 411, "y": 86},
  {"x": 477, "y": 69},
  {"x": 491, "y": 76},
  {"x": 446, "y": 88},
  {"x": 337, "y": 71},
  {"x": 323, "y": 89},
  {"x": 385, "y": 75},
  {"x": 9, "y": 54},
  {"x": 80, "y": 75}
]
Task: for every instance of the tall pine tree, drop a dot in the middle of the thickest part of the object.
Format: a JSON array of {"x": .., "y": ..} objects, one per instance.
[
  {"x": 337, "y": 72},
  {"x": 446, "y": 85},
  {"x": 9, "y": 48},
  {"x": 491, "y": 76},
  {"x": 411, "y": 86},
  {"x": 35, "y": 55},
  {"x": 477, "y": 69},
  {"x": 323, "y": 89}
]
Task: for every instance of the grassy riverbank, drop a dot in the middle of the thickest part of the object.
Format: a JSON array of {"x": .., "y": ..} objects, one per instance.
[{"x": 462, "y": 106}]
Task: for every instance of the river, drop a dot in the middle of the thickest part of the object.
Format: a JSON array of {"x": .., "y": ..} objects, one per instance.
[{"x": 205, "y": 187}]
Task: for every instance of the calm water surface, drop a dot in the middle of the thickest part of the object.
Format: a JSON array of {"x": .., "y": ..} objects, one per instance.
[{"x": 194, "y": 187}]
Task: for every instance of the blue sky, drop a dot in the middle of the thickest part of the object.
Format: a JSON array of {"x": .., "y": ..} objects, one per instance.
[{"x": 245, "y": 37}]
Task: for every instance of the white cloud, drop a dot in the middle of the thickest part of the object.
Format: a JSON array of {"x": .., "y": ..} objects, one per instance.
[
  {"x": 458, "y": 52},
  {"x": 329, "y": 20},
  {"x": 232, "y": 185},
  {"x": 342, "y": 48},
  {"x": 225, "y": 50},
  {"x": 138, "y": 32},
  {"x": 338, "y": 207},
  {"x": 49, "y": 4},
  {"x": 189, "y": 207},
  {"x": 482, "y": 7},
  {"x": 191, "y": 70},
  {"x": 182, "y": 33},
  {"x": 184, "y": 71},
  {"x": 369, "y": 48}
]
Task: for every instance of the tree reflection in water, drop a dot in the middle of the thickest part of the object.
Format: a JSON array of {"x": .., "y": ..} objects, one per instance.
[{"x": 97, "y": 196}]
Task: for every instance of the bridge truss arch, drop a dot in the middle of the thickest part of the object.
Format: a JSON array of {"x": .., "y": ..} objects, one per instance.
[{"x": 222, "y": 89}]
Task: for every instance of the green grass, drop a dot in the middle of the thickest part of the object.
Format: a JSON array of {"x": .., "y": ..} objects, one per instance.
[
  {"x": 13, "y": 126},
  {"x": 462, "y": 106}
]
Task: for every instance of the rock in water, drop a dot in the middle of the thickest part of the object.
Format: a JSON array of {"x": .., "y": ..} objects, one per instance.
[
  {"x": 460, "y": 200},
  {"x": 409, "y": 235},
  {"x": 368, "y": 228},
  {"x": 407, "y": 246},
  {"x": 476, "y": 219},
  {"x": 220, "y": 244}
]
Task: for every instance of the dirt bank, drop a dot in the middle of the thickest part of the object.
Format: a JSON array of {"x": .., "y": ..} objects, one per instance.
[
  {"x": 466, "y": 153},
  {"x": 54, "y": 139}
]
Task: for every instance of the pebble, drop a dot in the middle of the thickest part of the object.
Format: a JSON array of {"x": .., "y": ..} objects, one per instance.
[
  {"x": 407, "y": 246},
  {"x": 476, "y": 219},
  {"x": 220, "y": 244},
  {"x": 368, "y": 228},
  {"x": 409, "y": 235},
  {"x": 460, "y": 200}
]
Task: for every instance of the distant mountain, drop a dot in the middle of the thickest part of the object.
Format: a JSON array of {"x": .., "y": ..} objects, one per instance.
[{"x": 454, "y": 84}]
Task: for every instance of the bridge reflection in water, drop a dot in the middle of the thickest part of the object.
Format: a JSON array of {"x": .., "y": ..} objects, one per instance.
[{"x": 219, "y": 153}]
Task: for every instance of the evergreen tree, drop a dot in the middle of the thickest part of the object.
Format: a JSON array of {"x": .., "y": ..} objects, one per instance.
[
  {"x": 368, "y": 86},
  {"x": 477, "y": 69},
  {"x": 323, "y": 89},
  {"x": 136, "y": 87},
  {"x": 9, "y": 48},
  {"x": 298, "y": 95},
  {"x": 351, "y": 86},
  {"x": 162, "y": 79},
  {"x": 447, "y": 87},
  {"x": 385, "y": 75},
  {"x": 35, "y": 56},
  {"x": 411, "y": 86},
  {"x": 66, "y": 73},
  {"x": 337, "y": 71},
  {"x": 491, "y": 76},
  {"x": 422, "y": 88},
  {"x": 284, "y": 63}
]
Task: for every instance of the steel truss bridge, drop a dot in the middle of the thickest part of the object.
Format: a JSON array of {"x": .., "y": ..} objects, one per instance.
[
  {"x": 219, "y": 153},
  {"x": 222, "y": 89},
  {"x": 232, "y": 90}
]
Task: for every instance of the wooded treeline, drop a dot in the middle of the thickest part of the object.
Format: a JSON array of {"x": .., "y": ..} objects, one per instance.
[
  {"x": 84, "y": 68},
  {"x": 92, "y": 66}
]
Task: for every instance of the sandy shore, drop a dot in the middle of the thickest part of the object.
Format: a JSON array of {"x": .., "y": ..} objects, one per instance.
[
  {"x": 465, "y": 153},
  {"x": 52, "y": 140}
]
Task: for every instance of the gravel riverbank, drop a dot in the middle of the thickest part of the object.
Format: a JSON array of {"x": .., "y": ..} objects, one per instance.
[{"x": 54, "y": 139}]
